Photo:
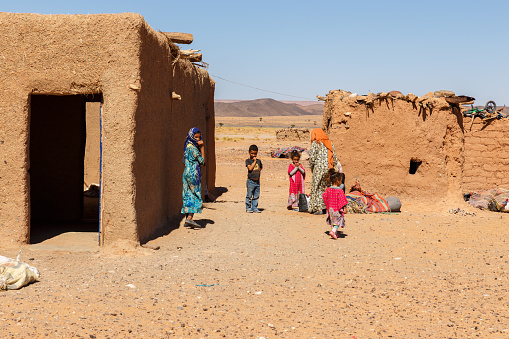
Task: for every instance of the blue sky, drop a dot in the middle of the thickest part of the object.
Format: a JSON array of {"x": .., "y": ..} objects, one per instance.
[{"x": 305, "y": 48}]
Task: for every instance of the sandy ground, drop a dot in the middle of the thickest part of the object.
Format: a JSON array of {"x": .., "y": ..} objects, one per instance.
[{"x": 421, "y": 273}]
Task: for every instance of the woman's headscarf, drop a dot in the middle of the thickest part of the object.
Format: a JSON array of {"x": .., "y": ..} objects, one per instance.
[
  {"x": 319, "y": 136},
  {"x": 190, "y": 138}
]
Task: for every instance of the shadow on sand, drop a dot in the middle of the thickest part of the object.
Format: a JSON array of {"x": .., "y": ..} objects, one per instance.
[
  {"x": 175, "y": 222},
  {"x": 219, "y": 191},
  {"x": 41, "y": 231},
  {"x": 340, "y": 234}
]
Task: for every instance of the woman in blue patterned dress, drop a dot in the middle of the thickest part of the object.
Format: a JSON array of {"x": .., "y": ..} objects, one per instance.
[{"x": 191, "y": 179}]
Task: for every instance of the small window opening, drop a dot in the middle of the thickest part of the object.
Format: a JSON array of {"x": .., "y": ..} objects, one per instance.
[{"x": 414, "y": 165}]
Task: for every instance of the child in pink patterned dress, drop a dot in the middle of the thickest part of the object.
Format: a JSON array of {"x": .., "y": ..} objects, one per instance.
[
  {"x": 297, "y": 175},
  {"x": 335, "y": 203}
]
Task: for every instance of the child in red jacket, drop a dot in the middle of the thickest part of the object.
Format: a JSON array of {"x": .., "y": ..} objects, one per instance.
[{"x": 335, "y": 203}]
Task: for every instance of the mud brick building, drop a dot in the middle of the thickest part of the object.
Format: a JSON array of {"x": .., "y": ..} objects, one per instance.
[
  {"x": 419, "y": 147},
  {"x": 88, "y": 98}
]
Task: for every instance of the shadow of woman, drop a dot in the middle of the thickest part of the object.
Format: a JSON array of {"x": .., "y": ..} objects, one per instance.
[{"x": 204, "y": 222}]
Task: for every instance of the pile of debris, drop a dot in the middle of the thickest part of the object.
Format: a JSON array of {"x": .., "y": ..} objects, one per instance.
[
  {"x": 495, "y": 200},
  {"x": 459, "y": 211},
  {"x": 293, "y": 134}
]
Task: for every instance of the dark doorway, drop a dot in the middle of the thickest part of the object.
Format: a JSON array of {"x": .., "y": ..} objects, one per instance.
[{"x": 58, "y": 134}]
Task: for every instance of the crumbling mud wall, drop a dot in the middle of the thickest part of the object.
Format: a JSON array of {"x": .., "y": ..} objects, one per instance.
[
  {"x": 396, "y": 146},
  {"x": 486, "y": 154},
  {"x": 293, "y": 134},
  {"x": 123, "y": 61},
  {"x": 416, "y": 147}
]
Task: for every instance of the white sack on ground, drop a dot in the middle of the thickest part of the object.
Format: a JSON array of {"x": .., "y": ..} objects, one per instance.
[{"x": 15, "y": 274}]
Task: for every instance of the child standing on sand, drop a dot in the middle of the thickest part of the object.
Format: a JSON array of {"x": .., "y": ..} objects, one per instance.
[
  {"x": 335, "y": 203},
  {"x": 297, "y": 176},
  {"x": 254, "y": 167}
]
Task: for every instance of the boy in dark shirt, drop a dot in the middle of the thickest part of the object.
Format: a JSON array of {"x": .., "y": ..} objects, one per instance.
[{"x": 254, "y": 167}]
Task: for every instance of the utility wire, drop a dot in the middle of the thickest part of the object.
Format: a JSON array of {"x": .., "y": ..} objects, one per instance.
[{"x": 259, "y": 89}]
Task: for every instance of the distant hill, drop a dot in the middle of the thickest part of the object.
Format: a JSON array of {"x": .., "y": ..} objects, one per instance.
[{"x": 266, "y": 107}]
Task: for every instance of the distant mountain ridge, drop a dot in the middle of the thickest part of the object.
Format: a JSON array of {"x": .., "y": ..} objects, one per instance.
[{"x": 265, "y": 107}]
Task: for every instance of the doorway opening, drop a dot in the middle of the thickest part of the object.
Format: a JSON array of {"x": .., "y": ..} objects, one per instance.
[{"x": 65, "y": 169}]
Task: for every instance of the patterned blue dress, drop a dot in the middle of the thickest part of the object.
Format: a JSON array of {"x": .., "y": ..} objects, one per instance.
[{"x": 191, "y": 180}]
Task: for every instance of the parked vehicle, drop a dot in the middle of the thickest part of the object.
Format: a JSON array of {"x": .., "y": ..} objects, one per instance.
[{"x": 489, "y": 112}]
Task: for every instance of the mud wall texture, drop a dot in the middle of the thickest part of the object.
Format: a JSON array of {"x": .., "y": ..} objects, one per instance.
[
  {"x": 92, "y": 145},
  {"x": 293, "y": 134},
  {"x": 197, "y": 106},
  {"x": 66, "y": 55},
  {"x": 486, "y": 155},
  {"x": 418, "y": 149},
  {"x": 121, "y": 58},
  {"x": 395, "y": 147},
  {"x": 162, "y": 124},
  {"x": 153, "y": 135}
]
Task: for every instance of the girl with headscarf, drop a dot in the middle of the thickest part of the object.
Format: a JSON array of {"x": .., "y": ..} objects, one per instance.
[
  {"x": 322, "y": 157},
  {"x": 191, "y": 178}
]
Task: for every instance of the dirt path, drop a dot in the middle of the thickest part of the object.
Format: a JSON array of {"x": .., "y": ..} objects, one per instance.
[{"x": 421, "y": 273}]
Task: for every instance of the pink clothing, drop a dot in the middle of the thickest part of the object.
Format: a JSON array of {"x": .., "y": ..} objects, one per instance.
[
  {"x": 296, "y": 186},
  {"x": 334, "y": 198},
  {"x": 335, "y": 201}
]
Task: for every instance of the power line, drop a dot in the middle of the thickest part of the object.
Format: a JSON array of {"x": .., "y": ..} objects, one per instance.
[{"x": 259, "y": 89}]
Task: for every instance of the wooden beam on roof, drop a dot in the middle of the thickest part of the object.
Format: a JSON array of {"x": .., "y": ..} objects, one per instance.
[
  {"x": 179, "y": 38},
  {"x": 191, "y": 54},
  {"x": 195, "y": 57}
]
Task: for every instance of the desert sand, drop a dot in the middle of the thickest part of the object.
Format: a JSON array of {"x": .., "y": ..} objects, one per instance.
[{"x": 423, "y": 272}]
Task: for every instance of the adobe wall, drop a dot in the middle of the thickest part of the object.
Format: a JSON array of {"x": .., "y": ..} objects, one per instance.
[
  {"x": 161, "y": 128},
  {"x": 151, "y": 138},
  {"x": 293, "y": 134},
  {"x": 486, "y": 154},
  {"x": 210, "y": 139},
  {"x": 121, "y": 57},
  {"x": 376, "y": 143},
  {"x": 92, "y": 146},
  {"x": 197, "y": 106},
  {"x": 377, "y": 138},
  {"x": 68, "y": 54}
]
